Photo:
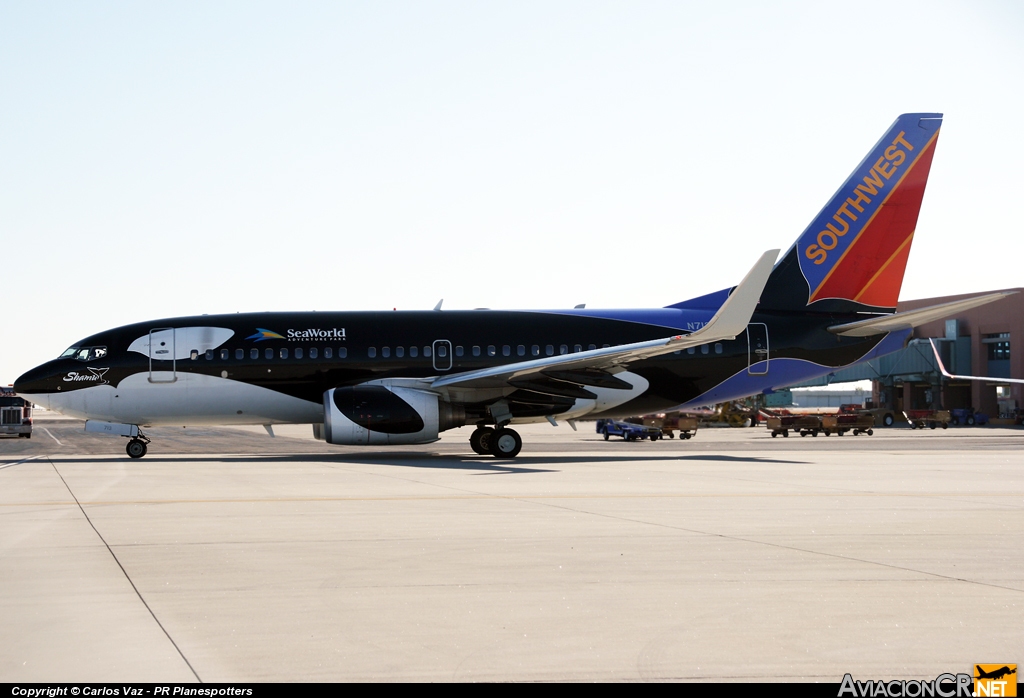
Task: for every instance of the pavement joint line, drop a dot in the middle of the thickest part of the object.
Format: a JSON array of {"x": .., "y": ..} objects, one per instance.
[
  {"x": 741, "y": 539},
  {"x": 448, "y": 497},
  {"x": 125, "y": 573},
  {"x": 51, "y": 436},
  {"x": 24, "y": 460}
]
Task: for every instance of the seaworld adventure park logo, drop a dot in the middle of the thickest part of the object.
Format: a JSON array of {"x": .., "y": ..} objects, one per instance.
[{"x": 312, "y": 334}]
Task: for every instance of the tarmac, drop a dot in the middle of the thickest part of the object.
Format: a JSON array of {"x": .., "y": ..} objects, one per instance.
[{"x": 228, "y": 556}]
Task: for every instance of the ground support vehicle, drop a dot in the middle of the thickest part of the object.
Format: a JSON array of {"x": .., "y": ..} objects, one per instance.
[
  {"x": 670, "y": 422},
  {"x": 803, "y": 424},
  {"x": 15, "y": 415},
  {"x": 627, "y": 430},
  {"x": 857, "y": 422},
  {"x": 884, "y": 416},
  {"x": 919, "y": 419},
  {"x": 967, "y": 416}
]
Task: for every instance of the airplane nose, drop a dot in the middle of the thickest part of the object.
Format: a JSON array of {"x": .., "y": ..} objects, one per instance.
[{"x": 37, "y": 384}]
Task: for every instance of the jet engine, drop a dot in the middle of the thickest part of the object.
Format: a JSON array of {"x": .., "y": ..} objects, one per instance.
[{"x": 384, "y": 414}]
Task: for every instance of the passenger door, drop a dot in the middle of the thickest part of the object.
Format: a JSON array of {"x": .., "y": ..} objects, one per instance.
[{"x": 163, "y": 362}]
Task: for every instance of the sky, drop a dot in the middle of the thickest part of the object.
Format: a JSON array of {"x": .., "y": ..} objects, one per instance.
[{"x": 168, "y": 159}]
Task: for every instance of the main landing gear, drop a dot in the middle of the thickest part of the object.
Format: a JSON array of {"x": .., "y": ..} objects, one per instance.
[
  {"x": 137, "y": 446},
  {"x": 500, "y": 443}
]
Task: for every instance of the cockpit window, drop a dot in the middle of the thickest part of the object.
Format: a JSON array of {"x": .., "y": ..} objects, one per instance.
[{"x": 85, "y": 353}]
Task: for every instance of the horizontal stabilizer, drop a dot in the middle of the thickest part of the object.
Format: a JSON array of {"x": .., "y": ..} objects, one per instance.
[{"x": 912, "y": 318}]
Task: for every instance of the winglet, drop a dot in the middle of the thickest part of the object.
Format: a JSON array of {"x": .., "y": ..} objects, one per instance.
[{"x": 734, "y": 315}]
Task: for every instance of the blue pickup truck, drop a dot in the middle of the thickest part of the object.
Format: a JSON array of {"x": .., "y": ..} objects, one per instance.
[{"x": 628, "y": 431}]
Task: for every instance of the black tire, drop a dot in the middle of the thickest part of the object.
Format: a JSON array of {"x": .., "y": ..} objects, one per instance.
[
  {"x": 605, "y": 434},
  {"x": 654, "y": 437},
  {"x": 970, "y": 421},
  {"x": 870, "y": 432},
  {"x": 671, "y": 435},
  {"x": 785, "y": 434},
  {"x": 888, "y": 419},
  {"x": 506, "y": 443},
  {"x": 932, "y": 425},
  {"x": 945, "y": 426},
  {"x": 774, "y": 434},
  {"x": 136, "y": 448},
  {"x": 480, "y": 440}
]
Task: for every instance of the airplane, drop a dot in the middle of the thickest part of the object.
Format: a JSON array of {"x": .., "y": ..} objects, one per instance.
[
  {"x": 996, "y": 674},
  {"x": 947, "y": 374},
  {"x": 402, "y": 377}
]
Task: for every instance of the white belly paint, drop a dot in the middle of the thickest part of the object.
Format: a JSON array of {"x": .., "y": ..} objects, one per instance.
[
  {"x": 193, "y": 399},
  {"x": 607, "y": 398}
]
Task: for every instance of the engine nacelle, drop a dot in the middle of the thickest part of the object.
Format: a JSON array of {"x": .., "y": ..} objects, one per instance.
[{"x": 385, "y": 414}]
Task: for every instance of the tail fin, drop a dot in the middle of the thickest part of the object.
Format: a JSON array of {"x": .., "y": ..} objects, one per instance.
[{"x": 854, "y": 253}]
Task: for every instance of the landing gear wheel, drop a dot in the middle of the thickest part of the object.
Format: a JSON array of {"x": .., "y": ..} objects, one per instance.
[
  {"x": 480, "y": 440},
  {"x": 505, "y": 443},
  {"x": 136, "y": 448}
]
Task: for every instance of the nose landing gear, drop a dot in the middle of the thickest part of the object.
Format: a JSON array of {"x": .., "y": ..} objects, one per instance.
[{"x": 138, "y": 446}]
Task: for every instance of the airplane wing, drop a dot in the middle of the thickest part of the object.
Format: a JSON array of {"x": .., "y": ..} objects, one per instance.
[
  {"x": 947, "y": 374},
  {"x": 912, "y": 318},
  {"x": 594, "y": 367}
]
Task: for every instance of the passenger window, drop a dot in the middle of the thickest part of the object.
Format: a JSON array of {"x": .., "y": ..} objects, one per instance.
[
  {"x": 442, "y": 350},
  {"x": 491, "y": 351},
  {"x": 328, "y": 352},
  {"x": 520, "y": 350},
  {"x": 269, "y": 353},
  {"x": 605, "y": 346},
  {"x": 550, "y": 350},
  {"x": 194, "y": 354},
  {"x": 704, "y": 349},
  {"x": 254, "y": 353},
  {"x": 691, "y": 350},
  {"x": 718, "y": 348},
  {"x": 239, "y": 354},
  {"x": 224, "y": 354},
  {"x": 458, "y": 351},
  {"x": 209, "y": 355},
  {"x": 313, "y": 352},
  {"x": 284, "y": 353},
  {"x": 414, "y": 352},
  {"x": 577, "y": 348},
  {"x": 476, "y": 350},
  {"x": 563, "y": 349},
  {"x": 591, "y": 347},
  {"x": 535, "y": 350},
  {"x": 372, "y": 351},
  {"x": 298, "y": 352},
  {"x": 342, "y": 352},
  {"x": 426, "y": 352},
  {"x": 399, "y": 352},
  {"x": 386, "y": 352},
  {"x": 506, "y": 350}
]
